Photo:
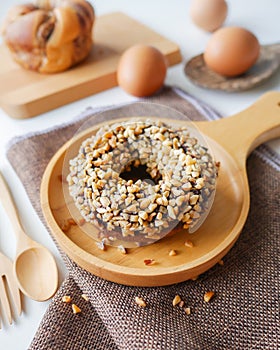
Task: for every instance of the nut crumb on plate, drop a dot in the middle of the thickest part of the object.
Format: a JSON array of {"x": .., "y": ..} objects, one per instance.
[
  {"x": 172, "y": 252},
  {"x": 82, "y": 222},
  {"x": 72, "y": 222},
  {"x": 122, "y": 249},
  {"x": 188, "y": 310},
  {"x": 101, "y": 245},
  {"x": 189, "y": 243},
  {"x": 149, "y": 262},
  {"x": 65, "y": 226}
]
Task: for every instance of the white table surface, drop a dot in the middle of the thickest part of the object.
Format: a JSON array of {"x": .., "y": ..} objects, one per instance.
[{"x": 170, "y": 18}]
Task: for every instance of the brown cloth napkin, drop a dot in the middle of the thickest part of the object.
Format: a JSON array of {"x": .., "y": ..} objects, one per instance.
[{"x": 245, "y": 311}]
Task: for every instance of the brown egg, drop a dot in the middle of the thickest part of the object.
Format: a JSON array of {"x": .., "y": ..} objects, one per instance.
[
  {"x": 208, "y": 14},
  {"x": 141, "y": 70},
  {"x": 231, "y": 51}
]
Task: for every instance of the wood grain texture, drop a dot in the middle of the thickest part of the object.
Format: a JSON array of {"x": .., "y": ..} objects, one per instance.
[
  {"x": 230, "y": 139},
  {"x": 26, "y": 94},
  {"x": 34, "y": 267}
]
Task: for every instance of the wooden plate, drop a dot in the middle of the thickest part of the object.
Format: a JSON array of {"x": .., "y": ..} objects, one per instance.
[
  {"x": 268, "y": 63},
  {"x": 26, "y": 94},
  {"x": 210, "y": 242}
]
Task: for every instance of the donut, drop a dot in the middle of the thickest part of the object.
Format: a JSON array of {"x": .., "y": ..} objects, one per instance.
[
  {"x": 179, "y": 179},
  {"x": 49, "y": 36}
]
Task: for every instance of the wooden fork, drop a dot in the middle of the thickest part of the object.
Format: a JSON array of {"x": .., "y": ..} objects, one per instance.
[{"x": 9, "y": 291}]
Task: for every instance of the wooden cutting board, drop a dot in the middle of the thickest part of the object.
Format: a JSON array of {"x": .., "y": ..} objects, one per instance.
[{"x": 25, "y": 94}]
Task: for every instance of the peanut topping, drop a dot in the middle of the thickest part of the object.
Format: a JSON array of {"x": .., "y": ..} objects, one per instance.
[{"x": 182, "y": 170}]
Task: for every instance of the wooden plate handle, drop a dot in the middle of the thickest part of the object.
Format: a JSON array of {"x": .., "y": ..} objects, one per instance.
[{"x": 246, "y": 130}]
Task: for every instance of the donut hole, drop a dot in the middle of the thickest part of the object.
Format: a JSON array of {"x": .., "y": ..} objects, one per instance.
[{"x": 136, "y": 172}]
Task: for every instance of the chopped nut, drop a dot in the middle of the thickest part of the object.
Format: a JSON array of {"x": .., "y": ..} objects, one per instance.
[
  {"x": 221, "y": 262},
  {"x": 149, "y": 262},
  {"x": 189, "y": 243},
  {"x": 188, "y": 310},
  {"x": 66, "y": 299},
  {"x": 180, "y": 200},
  {"x": 65, "y": 226},
  {"x": 76, "y": 309},
  {"x": 72, "y": 222},
  {"x": 182, "y": 303},
  {"x": 134, "y": 218},
  {"x": 139, "y": 301},
  {"x": 195, "y": 278},
  {"x": 84, "y": 296},
  {"x": 194, "y": 198},
  {"x": 101, "y": 245},
  {"x": 145, "y": 203},
  {"x": 122, "y": 249},
  {"x": 172, "y": 252},
  {"x": 105, "y": 201},
  {"x": 176, "y": 300},
  {"x": 171, "y": 212},
  {"x": 143, "y": 215},
  {"x": 208, "y": 296},
  {"x": 82, "y": 222}
]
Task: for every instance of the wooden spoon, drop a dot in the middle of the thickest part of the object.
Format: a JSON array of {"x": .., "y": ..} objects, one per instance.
[
  {"x": 34, "y": 266},
  {"x": 267, "y": 64}
]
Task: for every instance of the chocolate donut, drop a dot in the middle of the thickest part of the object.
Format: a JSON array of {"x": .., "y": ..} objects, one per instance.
[{"x": 181, "y": 176}]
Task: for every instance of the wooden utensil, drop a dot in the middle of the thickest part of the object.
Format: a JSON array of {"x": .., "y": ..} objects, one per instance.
[
  {"x": 231, "y": 140},
  {"x": 34, "y": 266},
  {"x": 26, "y": 94},
  {"x": 265, "y": 67},
  {"x": 8, "y": 282}
]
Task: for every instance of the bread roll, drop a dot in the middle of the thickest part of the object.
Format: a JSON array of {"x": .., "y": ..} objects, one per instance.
[{"x": 51, "y": 35}]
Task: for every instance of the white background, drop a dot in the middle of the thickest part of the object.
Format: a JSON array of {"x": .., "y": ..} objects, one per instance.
[{"x": 170, "y": 18}]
